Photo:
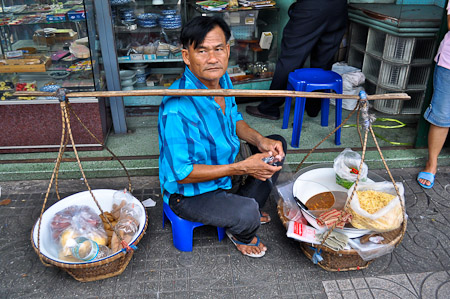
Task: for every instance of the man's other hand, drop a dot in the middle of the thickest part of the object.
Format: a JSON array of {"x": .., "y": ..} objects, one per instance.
[
  {"x": 257, "y": 168},
  {"x": 266, "y": 145}
]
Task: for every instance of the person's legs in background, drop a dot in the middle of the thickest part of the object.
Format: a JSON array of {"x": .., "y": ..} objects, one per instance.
[
  {"x": 438, "y": 115},
  {"x": 296, "y": 45},
  {"x": 324, "y": 51},
  {"x": 436, "y": 140},
  {"x": 315, "y": 18}
]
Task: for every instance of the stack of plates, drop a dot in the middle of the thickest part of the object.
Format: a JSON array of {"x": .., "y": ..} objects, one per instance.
[
  {"x": 127, "y": 79},
  {"x": 170, "y": 20},
  {"x": 127, "y": 14},
  {"x": 148, "y": 20}
]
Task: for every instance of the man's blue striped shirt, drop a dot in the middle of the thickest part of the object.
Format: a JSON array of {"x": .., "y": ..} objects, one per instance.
[{"x": 194, "y": 130}]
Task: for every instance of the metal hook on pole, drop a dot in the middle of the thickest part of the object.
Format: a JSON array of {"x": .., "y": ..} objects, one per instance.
[
  {"x": 61, "y": 94},
  {"x": 368, "y": 119}
]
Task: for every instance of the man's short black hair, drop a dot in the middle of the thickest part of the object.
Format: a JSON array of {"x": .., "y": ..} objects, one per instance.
[{"x": 195, "y": 31}]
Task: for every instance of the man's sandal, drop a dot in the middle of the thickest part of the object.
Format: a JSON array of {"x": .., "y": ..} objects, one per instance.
[
  {"x": 266, "y": 216},
  {"x": 426, "y": 176},
  {"x": 236, "y": 243}
]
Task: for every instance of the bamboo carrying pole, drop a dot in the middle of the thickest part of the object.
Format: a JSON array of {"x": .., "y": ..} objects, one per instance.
[{"x": 216, "y": 92}]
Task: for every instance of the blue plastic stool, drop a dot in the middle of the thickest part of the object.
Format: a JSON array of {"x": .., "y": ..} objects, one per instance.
[
  {"x": 182, "y": 230},
  {"x": 311, "y": 79}
]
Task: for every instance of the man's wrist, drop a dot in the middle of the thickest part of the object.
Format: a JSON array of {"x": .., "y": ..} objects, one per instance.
[
  {"x": 237, "y": 168},
  {"x": 260, "y": 141}
]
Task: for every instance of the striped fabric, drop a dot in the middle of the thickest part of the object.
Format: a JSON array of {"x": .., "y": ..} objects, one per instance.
[{"x": 193, "y": 130}]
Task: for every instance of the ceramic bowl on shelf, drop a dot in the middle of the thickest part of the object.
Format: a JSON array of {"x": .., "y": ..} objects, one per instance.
[
  {"x": 127, "y": 74},
  {"x": 59, "y": 74},
  {"x": 128, "y": 82}
]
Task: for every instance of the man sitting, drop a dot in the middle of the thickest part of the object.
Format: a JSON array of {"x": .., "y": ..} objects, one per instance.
[{"x": 199, "y": 139}]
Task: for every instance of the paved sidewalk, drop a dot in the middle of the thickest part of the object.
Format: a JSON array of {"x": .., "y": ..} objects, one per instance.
[{"x": 418, "y": 268}]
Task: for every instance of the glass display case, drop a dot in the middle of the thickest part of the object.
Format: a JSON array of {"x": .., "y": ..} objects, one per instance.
[
  {"x": 254, "y": 35},
  {"x": 147, "y": 42},
  {"x": 45, "y": 45}
]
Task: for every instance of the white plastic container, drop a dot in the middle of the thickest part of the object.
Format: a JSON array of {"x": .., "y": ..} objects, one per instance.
[{"x": 104, "y": 198}]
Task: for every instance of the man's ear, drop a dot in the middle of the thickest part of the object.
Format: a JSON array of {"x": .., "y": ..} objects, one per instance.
[{"x": 185, "y": 54}]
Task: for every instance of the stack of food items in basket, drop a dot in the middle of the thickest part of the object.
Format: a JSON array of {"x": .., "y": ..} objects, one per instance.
[
  {"x": 81, "y": 235},
  {"x": 374, "y": 213}
]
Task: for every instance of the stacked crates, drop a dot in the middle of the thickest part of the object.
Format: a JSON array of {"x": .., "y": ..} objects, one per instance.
[{"x": 392, "y": 64}]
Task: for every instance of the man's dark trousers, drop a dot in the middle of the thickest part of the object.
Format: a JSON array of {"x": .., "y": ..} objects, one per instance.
[
  {"x": 315, "y": 27},
  {"x": 239, "y": 213}
]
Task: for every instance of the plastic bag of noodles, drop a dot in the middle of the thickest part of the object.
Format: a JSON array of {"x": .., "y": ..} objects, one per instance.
[{"x": 376, "y": 206}]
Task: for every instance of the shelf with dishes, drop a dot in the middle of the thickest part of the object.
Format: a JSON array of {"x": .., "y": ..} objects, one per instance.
[
  {"x": 141, "y": 76},
  {"x": 48, "y": 81},
  {"x": 152, "y": 59},
  {"x": 155, "y": 17},
  {"x": 137, "y": 29},
  {"x": 41, "y": 14}
]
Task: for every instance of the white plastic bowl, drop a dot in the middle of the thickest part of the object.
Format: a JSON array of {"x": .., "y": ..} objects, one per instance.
[
  {"x": 105, "y": 199},
  {"x": 314, "y": 182}
]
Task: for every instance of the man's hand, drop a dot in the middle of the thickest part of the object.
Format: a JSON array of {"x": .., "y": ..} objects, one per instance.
[
  {"x": 257, "y": 168},
  {"x": 269, "y": 145}
]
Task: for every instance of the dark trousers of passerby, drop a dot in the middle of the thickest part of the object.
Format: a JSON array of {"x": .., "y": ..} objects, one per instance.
[
  {"x": 238, "y": 212},
  {"x": 315, "y": 28}
]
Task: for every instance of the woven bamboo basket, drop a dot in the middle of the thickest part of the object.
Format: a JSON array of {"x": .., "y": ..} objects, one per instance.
[
  {"x": 342, "y": 260},
  {"x": 96, "y": 270}
]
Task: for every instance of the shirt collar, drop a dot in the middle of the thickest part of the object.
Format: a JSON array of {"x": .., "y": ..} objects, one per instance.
[{"x": 191, "y": 77}]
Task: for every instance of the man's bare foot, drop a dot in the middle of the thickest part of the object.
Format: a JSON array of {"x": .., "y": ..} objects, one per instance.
[
  {"x": 265, "y": 218},
  {"x": 249, "y": 249},
  {"x": 253, "y": 249}
]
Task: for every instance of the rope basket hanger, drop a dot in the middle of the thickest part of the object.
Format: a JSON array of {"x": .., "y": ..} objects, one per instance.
[
  {"x": 96, "y": 270},
  {"x": 344, "y": 260},
  {"x": 84, "y": 271}
]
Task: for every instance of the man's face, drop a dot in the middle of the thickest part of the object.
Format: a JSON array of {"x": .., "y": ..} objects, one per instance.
[{"x": 210, "y": 60}]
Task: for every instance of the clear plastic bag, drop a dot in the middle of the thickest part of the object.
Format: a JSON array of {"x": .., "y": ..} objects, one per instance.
[
  {"x": 346, "y": 167},
  {"x": 128, "y": 215},
  {"x": 121, "y": 199},
  {"x": 387, "y": 218},
  {"x": 290, "y": 208},
  {"x": 73, "y": 222},
  {"x": 370, "y": 251}
]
